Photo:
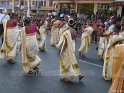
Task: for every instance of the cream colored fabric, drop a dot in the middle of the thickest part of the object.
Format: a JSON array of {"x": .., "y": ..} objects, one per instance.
[
  {"x": 30, "y": 50},
  {"x": 43, "y": 35},
  {"x": 117, "y": 59},
  {"x": 68, "y": 62},
  {"x": 9, "y": 46},
  {"x": 85, "y": 40},
  {"x": 108, "y": 59},
  {"x": 102, "y": 46},
  {"x": 55, "y": 33},
  {"x": 118, "y": 83},
  {"x": 62, "y": 30}
]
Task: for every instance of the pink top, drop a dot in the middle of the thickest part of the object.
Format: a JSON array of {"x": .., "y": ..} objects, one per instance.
[
  {"x": 12, "y": 24},
  {"x": 111, "y": 33},
  {"x": 31, "y": 30}
]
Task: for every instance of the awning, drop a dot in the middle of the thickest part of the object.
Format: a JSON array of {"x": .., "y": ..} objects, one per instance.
[{"x": 118, "y": 2}]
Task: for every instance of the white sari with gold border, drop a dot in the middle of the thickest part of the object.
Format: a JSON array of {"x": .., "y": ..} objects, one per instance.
[
  {"x": 109, "y": 54},
  {"x": 85, "y": 40},
  {"x": 30, "y": 50},
  {"x": 43, "y": 33},
  {"x": 55, "y": 33},
  {"x": 102, "y": 45},
  {"x": 62, "y": 30},
  {"x": 9, "y": 46},
  {"x": 68, "y": 62},
  {"x": 118, "y": 59}
]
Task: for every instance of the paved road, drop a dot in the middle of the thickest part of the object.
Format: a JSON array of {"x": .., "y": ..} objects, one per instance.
[{"x": 14, "y": 80}]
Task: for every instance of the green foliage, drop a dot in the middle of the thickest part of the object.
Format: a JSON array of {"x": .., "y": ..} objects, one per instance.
[{"x": 86, "y": 8}]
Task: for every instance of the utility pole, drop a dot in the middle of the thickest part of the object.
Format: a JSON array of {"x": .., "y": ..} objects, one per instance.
[
  {"x": 13, "y": 6},
  {"x": 29, "y": 8}
]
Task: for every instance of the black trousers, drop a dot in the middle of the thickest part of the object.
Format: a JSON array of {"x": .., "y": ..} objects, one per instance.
[
  {"x": 94, "y": 36},
  {"x": 1, "y": 31}
]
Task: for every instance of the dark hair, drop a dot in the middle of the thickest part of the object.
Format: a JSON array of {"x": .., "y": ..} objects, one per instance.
[
  {"x": 117, "y": 27},
  {"x": 1, "y": 10},
  {"x": 12, "y": 15},
  {"x": 16, "y": 15},
  {"x": 103, "y": 26},
  {"x": 27, "y": 21}
]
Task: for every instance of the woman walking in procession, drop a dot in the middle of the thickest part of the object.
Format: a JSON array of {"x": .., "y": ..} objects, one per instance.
[
  {"x": 30, "y": 59},
  {"x": 9, "y": 46},
  {"x": 69, "y": 67}
]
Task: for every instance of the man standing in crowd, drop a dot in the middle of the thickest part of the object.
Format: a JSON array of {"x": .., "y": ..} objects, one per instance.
[{"x": 94, "y": 34}]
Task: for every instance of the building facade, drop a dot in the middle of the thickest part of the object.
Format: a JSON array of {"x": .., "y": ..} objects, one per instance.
[
  {"x": 120, "y": 4},
  {"x": 6, "y": 5},
  {"x": 27, "y": 6},
  {"x": 43, "y": 6},
  {"x": 93, "y": 5}
]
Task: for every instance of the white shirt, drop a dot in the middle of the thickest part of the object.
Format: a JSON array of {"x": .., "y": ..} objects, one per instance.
[
  {"x": 3, "y": 18},
  {"x": 123, "y": 34},
  {"x": 111, "y": 28},
  {"x": 49, "y": 14},
  {"x": 54, "y": 13}
]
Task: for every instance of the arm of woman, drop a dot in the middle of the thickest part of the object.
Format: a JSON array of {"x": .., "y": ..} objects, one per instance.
[{"x": 37, "y": 29}]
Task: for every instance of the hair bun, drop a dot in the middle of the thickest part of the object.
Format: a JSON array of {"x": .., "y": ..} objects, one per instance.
[
  {"x": 11, "y": 15},
  {"x": 27, "y": 21}
]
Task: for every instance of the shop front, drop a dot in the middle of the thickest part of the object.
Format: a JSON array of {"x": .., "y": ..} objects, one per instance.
[{"x": 120, "y": 4}]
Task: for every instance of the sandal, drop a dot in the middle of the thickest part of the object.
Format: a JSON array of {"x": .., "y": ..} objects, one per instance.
[
  {"x": 11, "y": 61},
  {"x": 81, "y": 77}
]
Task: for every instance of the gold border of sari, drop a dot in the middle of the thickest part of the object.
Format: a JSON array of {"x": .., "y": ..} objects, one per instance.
[
  {"x": 107, "y": 57},
  {"x": 74, "y": 64},
  {"x": 25, "y": 63}
]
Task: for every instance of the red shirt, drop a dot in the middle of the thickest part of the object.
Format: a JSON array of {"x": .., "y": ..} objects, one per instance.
[{"x": 95, "y": 26}]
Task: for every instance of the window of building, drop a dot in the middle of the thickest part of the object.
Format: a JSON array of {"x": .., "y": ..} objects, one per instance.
[
  {"x": 8, "y": 3},
  {"x": 40, "y": 3},
  {"x": 44, "y": 3},
  {"x": 26, "y": 3},
  {"x": 33, "y": 2},
  {"x": 3, "y": 3},
  {"x": 51, "y": 3},
  {"x": 22, "y": 2}
]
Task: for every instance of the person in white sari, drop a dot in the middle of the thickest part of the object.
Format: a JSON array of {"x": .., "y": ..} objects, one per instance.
[
  {"x": 30, "y": 49},
  {"x": 69, "y": 67},
  {"x": 55, "y": 32},
  {"x": 42, "y": 30},
  {"x": 9, "y": 46},
  {"x": 85, "y": 40},
  {"x": 63, "y": 27},
  {"x": 114, "y": 40},
  {"x": 104, "y": 35}
]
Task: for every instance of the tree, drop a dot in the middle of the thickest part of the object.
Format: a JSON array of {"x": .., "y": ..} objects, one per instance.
[{"x": 84, "y": 8}]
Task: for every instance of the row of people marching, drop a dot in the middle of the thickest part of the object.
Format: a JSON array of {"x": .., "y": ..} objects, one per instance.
[
  {"x": 33, "y": 38},
  {"x": 29, "y": 45},
  {"x": 63, "y": 36},
  {"x": 110, "y": 36}
]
